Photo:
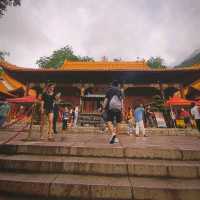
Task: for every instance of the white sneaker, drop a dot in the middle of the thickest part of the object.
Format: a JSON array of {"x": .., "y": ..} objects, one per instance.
[
  {"x": 112, "y": 139},
  {"x": 116, "y": 140}
]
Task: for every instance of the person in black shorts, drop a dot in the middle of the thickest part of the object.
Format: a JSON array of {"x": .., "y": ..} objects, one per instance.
[
  {"x": 113, "y": 104},
  {"x": 47, "y": 105}
]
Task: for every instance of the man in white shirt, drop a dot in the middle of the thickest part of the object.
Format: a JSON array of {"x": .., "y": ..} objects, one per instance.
[
  {"x": 76, "y": 111},
  {"x": 196, "y": 115}
]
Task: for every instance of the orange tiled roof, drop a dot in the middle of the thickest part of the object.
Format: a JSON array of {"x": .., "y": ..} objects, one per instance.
[
  {"x": 98, "y": 66},
  {"x": 104, "y": 66}
]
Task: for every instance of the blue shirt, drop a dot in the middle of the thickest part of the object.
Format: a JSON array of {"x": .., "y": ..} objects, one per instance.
[
  {"x": 139, "y": 114},
  {"x": 65, "y": 115}
]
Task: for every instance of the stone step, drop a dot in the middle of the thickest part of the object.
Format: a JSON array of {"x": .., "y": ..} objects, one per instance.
[
  {"x": 165, "y": 189},
  {"x": 99, "y": 187},
  {"x": 106, "y": 150},
  {"x": 100, "y": 166},
  {"x": 123, "y": 130},
  {"x": 149, "y": 131},
  {"x": 19, "y": 197},
  {"x": 68, "y": 186},
  {"x": 25, "y": 197}
]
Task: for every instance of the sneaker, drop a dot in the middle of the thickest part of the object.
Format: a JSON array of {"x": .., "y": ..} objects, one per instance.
[
  {"x": 116, "y": 140},
  {"x": 112, "y": 140}
]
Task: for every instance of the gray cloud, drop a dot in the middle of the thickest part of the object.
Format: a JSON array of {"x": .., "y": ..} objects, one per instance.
[{"x": 114, "y": 28}]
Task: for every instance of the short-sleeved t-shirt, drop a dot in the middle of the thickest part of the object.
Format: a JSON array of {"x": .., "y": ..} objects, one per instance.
[
  {"x": 111, "y": 92},
  {"x": 48, "y": 102},
  {"x": 139, "y": 112},
  {"x": 195, "y": 112}
]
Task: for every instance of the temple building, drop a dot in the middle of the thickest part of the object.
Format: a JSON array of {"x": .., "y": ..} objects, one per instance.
[{"x": 85, "y": 83}]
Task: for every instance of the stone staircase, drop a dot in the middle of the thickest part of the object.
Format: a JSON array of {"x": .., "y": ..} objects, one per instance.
[
  {"x": 124, "y": 130},
  {"x": 62, "y": 171},
  {"x": 89, "y": 119}
]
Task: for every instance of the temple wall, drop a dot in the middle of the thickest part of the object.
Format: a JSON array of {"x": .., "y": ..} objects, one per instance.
[
  {"x": 74, "y": 100},
  {"x": 134, "y": 100},
  {"x": 89, "y": 105}
]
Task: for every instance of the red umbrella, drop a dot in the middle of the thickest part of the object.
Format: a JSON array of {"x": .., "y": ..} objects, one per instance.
[
  {"x": 178, "y": 101},
  {"x": 197, "y": 102},
  {"x": 27, "y": 99}
]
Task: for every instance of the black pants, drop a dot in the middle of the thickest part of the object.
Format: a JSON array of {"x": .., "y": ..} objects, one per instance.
[
  {"x": 55, "y": 119},
  {"x": 64, "y": 124},
  {"x": 198, "y": 124}
]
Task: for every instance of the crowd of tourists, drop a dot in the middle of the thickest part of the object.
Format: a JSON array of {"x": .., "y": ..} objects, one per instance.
[
  {"x": 112, "y": 114},
  {"x": 140, "y": 116}
]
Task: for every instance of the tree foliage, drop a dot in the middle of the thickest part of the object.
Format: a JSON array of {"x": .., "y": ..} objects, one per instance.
[
  {"x": 155, "y": 62},
  {"x": 157, "y": 103},
  {"x": 3, "y": 55},
  {"x": 57, "y": 58},
  {"x": 5, "y": 3}
]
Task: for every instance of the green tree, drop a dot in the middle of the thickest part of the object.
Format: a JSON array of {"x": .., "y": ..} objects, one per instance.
[
  {"x": 158, "y": 103},
  {"x": 155, "y": 63},
  {"x": 59, "y": 56},
  {"x": 3, "y": 55},
  {"x": 5, "y": 3}
]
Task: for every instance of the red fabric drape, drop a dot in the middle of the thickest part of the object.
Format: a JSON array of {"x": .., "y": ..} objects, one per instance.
[{"x": 27, "y": 99}]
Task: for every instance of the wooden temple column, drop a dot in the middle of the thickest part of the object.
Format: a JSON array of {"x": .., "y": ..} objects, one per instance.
[
  {"x": 81, "y": 87},
  {"x": 181, "y": 89},
  {"x": 27, "y": 89},
  {"x": 161, "y": 90},
  {"x": 123, "y": 88},
  {"x": 82, "y": 92}
]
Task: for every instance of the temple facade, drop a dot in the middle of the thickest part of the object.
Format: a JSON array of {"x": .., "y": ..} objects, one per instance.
[{"x": 85, "y": 83}]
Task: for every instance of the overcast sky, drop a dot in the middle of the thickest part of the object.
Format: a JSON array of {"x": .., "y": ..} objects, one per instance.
[{"x": 113, "y": 28}]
